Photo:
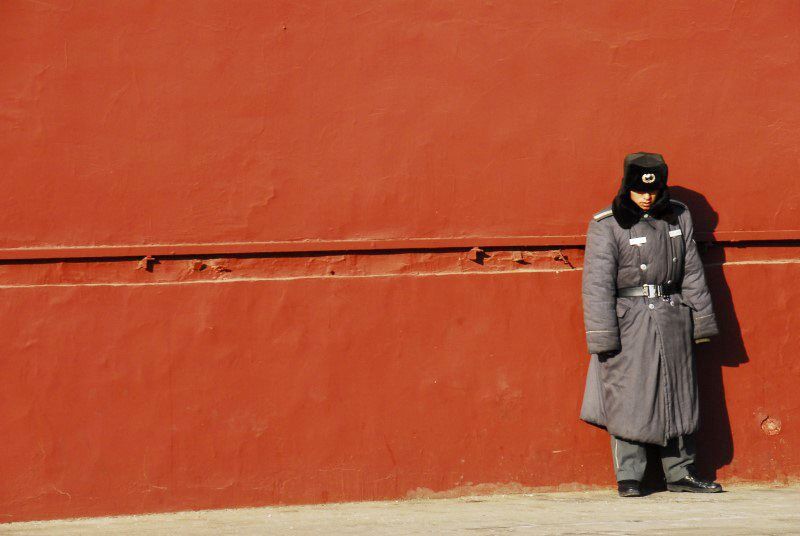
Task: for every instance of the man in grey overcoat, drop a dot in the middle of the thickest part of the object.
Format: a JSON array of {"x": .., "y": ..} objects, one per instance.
[{"x": 645, "y": 301}]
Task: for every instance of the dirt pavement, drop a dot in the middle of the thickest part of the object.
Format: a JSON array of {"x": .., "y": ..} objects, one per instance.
[{"x": 740, "y": 511}]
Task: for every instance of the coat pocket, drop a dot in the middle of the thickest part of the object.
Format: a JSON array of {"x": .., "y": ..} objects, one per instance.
[
  {"x": 622, "y": 308},
  {"x": 681, "y": 301}
]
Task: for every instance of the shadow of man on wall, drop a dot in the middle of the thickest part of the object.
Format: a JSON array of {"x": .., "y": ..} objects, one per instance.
[{"x": 714, "y": 439}]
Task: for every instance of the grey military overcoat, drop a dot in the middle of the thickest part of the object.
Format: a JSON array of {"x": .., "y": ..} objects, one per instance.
[{"x": 648, "y": 391}]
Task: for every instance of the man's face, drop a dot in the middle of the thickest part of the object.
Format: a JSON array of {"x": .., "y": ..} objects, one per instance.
[{"x": 645, "y": 200}]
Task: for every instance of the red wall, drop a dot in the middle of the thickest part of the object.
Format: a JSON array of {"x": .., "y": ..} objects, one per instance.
[{"x": 332, "y": 163}]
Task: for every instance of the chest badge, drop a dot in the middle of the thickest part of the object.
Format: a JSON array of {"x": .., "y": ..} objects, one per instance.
[
  {"x": 675, "y": 232},
  {"x": 638, "y": 241}
]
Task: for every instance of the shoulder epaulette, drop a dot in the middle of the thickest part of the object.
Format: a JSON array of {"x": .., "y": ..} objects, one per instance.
[
  {"x": 603, "y": 214},
  {"x": 678, "y": 203}
]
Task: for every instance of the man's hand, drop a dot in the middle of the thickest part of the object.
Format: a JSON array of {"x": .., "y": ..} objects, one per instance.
[
  {"x": 701, "y": 341},
  {"x": 602, "y": 356}
]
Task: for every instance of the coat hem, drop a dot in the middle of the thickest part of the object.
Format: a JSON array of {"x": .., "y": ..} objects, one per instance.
[
  {"x": 598, "y": 424},
  {"x": 636, "y": 438},
  {"x": 663, "y": 442}
]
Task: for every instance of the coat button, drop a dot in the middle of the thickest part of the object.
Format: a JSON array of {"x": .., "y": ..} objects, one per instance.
[
  {"x": 669, "y": 281},
  {"x": 643, "y": 267},
  {"x": 651, "y": 306},
  {"x": 646, "y": 216},
  {"x": 674, "y": 259}
]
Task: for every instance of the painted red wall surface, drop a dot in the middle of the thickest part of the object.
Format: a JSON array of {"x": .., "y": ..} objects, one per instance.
[
  {"x": 161, "y": 122},
  {"x": 275, "y": 142}
]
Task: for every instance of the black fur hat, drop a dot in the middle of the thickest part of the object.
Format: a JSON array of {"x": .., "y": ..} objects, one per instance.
[{"x": 643, "y": 172}]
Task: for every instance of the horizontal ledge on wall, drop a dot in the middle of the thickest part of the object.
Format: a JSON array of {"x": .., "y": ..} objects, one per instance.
[
  {"x": 289, "y": 246},
  {"x": 307, "y": 246}
]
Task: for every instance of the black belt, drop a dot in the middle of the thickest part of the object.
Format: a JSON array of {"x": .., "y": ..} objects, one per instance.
[{"x": 649, "y": 291}]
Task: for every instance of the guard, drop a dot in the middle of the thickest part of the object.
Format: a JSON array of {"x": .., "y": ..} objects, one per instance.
[{"x": 645, "y": 300}]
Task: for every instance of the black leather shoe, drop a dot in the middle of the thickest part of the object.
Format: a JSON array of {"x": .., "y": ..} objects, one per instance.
[
  {"x": 693, "y": 484},
  {"x": 629, "y": 488}
]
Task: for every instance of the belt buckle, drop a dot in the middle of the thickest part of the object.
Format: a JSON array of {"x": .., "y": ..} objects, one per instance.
[{"x": 650, "y": 291}]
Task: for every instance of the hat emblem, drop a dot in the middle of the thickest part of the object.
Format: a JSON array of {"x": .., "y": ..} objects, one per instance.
[{"x": 648, "y": 178}]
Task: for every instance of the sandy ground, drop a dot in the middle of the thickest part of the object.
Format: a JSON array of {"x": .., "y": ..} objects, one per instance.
[{"x": 741, "y": 510}]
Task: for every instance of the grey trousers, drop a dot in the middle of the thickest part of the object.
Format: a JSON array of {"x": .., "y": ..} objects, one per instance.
[{"x": 630, "y": 458}]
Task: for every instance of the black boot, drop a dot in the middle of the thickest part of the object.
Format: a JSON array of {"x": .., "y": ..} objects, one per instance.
[
  {"x": 693, "y": 484},
  {"x": 629, "y": 488}
]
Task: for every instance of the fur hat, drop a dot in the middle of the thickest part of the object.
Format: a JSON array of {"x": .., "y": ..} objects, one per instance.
[{"x": 643, "y": 172}]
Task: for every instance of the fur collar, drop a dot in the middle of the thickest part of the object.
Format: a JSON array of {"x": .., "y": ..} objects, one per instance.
[{"x": 627, "y": 213}]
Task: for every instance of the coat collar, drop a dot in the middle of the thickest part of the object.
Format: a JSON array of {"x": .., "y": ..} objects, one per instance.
[{"x": 627, "y": 213}]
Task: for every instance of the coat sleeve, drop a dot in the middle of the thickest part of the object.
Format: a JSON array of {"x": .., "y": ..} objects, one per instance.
[
  {"x": 694, "y": 289},
  {"x": 599, "y": 288}
]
